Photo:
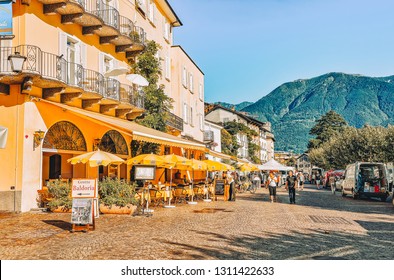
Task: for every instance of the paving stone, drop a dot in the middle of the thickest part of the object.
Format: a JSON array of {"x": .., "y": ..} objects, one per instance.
[{"x": 320, "y": 226}]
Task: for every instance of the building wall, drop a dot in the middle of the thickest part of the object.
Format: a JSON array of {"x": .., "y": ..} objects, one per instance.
[
  {"x": 216, "y": 135},
  {"x": 188, "y": 93}
]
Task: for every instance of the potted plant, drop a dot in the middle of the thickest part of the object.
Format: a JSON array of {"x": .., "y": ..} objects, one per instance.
[
  {"x": 59, "y": 196},
  {"x": 117, "y": 196}
]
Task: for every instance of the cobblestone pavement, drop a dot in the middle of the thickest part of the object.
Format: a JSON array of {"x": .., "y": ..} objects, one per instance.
[{"x": 320, "y": 226}]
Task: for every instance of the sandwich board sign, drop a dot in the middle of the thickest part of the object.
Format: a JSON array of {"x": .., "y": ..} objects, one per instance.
[{"x": 85, "y": 204}]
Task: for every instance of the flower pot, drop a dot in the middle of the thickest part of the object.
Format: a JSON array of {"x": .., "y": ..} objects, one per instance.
[
  {"x": 113, "y": 209},
  {"x": 61, "y": 209}
]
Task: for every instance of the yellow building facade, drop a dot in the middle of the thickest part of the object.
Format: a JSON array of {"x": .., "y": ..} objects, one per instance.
[{"x": 62, "y": 104}]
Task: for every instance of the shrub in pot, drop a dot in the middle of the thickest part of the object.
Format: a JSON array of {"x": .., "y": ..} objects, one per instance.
[
  {"x": 60, "y": 193},
  {"x": 115, "y": 193}
]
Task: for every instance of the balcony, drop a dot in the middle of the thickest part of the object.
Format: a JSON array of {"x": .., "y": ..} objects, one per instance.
[
  {"x": 63, "y": 81},
  {"x": 208, "y": 136},
  {"x": 174, "y": 122},
  {"x": 97, "y": 17}
]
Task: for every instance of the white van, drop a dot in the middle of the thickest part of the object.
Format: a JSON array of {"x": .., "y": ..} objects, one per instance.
[{"x": 366, "y": 178}]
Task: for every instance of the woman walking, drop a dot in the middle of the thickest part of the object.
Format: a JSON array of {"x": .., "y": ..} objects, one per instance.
[{"x": 271, "y": 184}]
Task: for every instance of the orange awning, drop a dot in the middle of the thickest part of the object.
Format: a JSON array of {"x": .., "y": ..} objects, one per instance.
[{"x": 139, "y": 132}]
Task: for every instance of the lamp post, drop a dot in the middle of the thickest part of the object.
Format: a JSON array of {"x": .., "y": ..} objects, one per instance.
[{"x": 16, "y": 60}]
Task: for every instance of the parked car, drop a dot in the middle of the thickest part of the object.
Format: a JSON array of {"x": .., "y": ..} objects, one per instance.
[{"x": 366, "y": 179}]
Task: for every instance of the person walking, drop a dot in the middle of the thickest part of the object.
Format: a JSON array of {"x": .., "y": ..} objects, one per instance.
[
  {"x": 318, "y": 177},
  {"x": 301, "y": 180},
  {"x": 291, "y": 182},
  {"x": 230, "y": 181},
  {"x": 271, "y": 184}
]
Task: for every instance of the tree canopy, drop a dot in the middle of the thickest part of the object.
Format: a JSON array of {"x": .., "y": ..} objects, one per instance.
[
  {"x": 325, "y": 128},
  {"x": 157, "y": 103}
]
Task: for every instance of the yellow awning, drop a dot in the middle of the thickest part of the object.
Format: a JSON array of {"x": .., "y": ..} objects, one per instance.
[
  {"x": 218, "y": 154},
  {"x": 139, "y": 132}
]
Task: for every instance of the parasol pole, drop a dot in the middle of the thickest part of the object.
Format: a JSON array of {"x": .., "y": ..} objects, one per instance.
[
  {"x": 192, "y": 190},
  {"x": 207, "y": 199}
]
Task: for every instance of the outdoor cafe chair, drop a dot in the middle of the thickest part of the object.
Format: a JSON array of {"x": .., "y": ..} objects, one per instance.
[
  {"x": 198, "y": 191},
  {"x": 180, "y": 194},
  {"x": 156, "y": 197}
]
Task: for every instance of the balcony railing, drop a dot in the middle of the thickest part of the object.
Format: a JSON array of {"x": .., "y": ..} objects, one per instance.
[
  {"x": 208, "y": 136},
  {"x": 174, "y": 121},
  {"x": 109, "y": 16},
  {"x": 56, "y": 68}
]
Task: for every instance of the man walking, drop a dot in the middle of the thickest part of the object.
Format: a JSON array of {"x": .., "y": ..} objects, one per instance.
[{"x": 291, "y": 182}]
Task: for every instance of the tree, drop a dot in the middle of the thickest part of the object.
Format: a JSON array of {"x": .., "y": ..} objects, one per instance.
[
  {"x": 326, "y": 127},
  {"x": 229, "y": 143},
  {"x": 157, "y": 103},
  {"x": 233, "y": 128}
]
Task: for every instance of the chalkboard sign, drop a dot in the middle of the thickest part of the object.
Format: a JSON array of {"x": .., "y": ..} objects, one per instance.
[
  {"x": 82, "y": 211},
  {"x": 219, "y": 187}
]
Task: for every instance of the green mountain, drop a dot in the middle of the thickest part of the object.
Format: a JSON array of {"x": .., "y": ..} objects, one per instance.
[
  {"x": 293, "y": 107},
  {"x": 238, "y": 107}
]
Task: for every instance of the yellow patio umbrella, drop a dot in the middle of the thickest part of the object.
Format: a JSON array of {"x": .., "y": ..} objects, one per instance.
[
  {"x": 96, "y": 158},
  {"x": 247, "y": 167},
  {"x": 229, "y": 167},
  {"x": 214, "y": 165},
  {"x": 198, "y": 165},
  {"x": 149, "y": 159},
  {"x": 178, "y": 162}
]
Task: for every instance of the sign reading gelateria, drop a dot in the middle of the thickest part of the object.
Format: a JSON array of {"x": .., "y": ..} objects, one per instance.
[
  {"x": 5, "y": 18},
  {"x": 83, "y": 188}
]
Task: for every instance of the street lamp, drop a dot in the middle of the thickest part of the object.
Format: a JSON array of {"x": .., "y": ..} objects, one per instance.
[{"x": 16, "y": 60}]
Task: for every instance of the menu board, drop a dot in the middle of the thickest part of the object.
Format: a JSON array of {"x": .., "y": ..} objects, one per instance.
[
  {"x": 82, "y": 211},
  {"x": 144, "y": 172},
  {"x": 219, "y": 187}
]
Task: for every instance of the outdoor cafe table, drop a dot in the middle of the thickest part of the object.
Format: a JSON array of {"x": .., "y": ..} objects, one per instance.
[{"x": 145, "y": 195}]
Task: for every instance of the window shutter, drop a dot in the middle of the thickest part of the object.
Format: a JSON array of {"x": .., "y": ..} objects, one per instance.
[
  {"x": 191, "y": 82},
  {"x": 101, "y": 62},
  {"x": 84, "y": 56},
  {"x": 63, "y": 44},
  {"x": 185, "y": 112}
]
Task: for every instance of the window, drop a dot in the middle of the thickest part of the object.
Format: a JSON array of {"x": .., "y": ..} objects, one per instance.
[
  {"x": 184, "y": 77},
  {"x": 141, "y": 6},
  {"x": 106, "y": 63},
  {"x": 191, "y": 116},
  {"x": 191, "y": 82},
  {"x": 185, "y": 113},
  {"x": 168, "y": 68},
  {"x": 201, "y": 117},
  {"x": 200, "y": 91},
  {"x": 166, "y": 30},
  {"x": 152, "y": 13}
]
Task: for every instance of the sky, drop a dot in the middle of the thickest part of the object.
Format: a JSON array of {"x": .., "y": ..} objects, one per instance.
[{"x": 247, "y": 48}]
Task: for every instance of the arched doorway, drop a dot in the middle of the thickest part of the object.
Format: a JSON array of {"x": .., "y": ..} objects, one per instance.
[
  {"x": 113, "y": 142},
  {"x": 61, "y": 140}
]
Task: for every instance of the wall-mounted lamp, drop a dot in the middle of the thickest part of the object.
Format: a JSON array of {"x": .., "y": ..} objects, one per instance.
[
  {"x": 38, "y": 137},
  {"x": 96, "y": 144},
  {"x": 16, "y": 60}
]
